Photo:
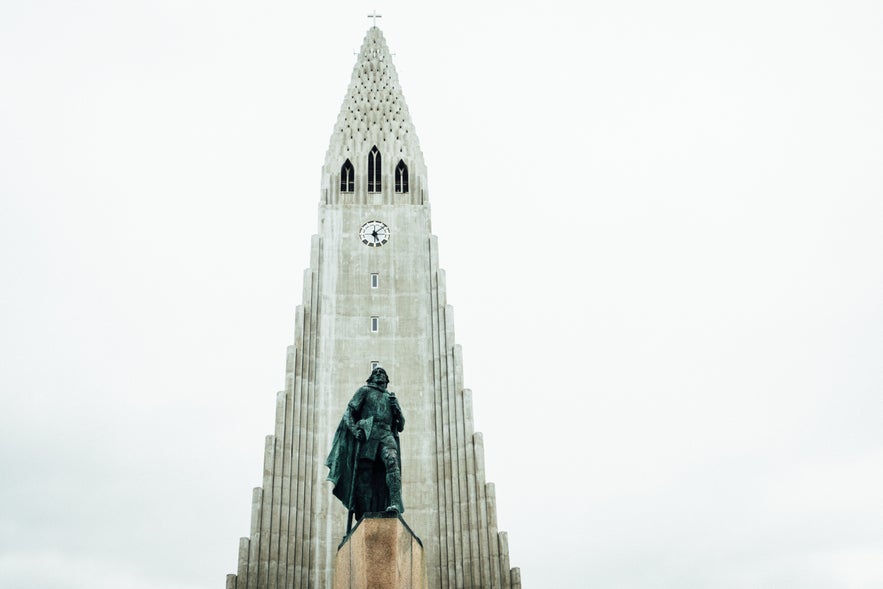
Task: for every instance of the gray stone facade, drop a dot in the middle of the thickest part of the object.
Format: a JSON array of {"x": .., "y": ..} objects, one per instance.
[{"x": 400, "y": 319}]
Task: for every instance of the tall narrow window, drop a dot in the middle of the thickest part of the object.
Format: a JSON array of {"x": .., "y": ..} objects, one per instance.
[
  {"x": 401, "y": 177},
  {"x": 375, "y": 280},
  {"x": 347, "y": 177},
  {"x": 374, "y": 170},
  {"x": 375, "y": 324}
]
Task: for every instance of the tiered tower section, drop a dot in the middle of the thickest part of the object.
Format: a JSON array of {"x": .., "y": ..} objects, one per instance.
[
  {"x": 366, "y": 302},
  {"x": 374, "y": 114}
]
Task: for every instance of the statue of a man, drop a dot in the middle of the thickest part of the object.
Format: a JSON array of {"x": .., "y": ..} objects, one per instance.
[{"x": 365, "y": 458}]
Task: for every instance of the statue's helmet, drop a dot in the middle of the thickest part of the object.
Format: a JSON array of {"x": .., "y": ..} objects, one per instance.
[{"x": 378, "y": 375}]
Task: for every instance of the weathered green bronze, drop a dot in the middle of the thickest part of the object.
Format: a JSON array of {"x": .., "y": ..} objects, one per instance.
[{"x": 365, "y": 459}]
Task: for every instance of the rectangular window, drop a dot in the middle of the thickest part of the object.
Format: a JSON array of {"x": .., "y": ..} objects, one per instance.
[
  {"x": 375, "y": 324},
  {"x": 375, "y": 280}
]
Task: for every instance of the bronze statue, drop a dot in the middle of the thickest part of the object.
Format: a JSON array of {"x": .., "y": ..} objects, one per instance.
[{"x": 365, "y": 459}]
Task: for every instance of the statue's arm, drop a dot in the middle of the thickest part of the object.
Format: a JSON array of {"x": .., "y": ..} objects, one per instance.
[
  {"x": 353, "y": 407},
  {"x": 348, "y": 420},
  {"x": 399, "y": 416}
]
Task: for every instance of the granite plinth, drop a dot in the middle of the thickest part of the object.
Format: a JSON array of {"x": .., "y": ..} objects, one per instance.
[{"x": 380, "y": 553}]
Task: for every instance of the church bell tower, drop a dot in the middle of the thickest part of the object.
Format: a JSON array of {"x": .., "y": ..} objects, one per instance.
[{"x": 374, "y": 295}]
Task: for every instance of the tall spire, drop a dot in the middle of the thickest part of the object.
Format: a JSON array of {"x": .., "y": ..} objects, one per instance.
[{"x": 374, "y": 114}]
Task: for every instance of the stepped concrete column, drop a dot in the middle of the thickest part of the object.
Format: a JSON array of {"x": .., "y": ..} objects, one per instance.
[{"x": 381, "y": 553}]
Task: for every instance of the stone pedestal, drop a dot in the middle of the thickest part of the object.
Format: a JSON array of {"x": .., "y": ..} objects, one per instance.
[{"x": 381, "y": 553}]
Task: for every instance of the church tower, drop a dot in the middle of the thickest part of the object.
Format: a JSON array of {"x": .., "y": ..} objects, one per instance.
[{"x": 374, "y": 295}]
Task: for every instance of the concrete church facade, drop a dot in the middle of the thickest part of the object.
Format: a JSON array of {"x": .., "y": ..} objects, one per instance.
[{"x": 374, "y": 295}]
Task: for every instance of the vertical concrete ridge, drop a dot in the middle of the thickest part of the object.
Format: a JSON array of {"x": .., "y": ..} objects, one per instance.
[
  {"x": 458, "y": 425},
  {"x": 254, "y": 544},
  {"x": 471, "y": 498},
  {"x": 493, "y": 535},
  {"x": 462, "y": 453},
  {"x": 487, "y": 560},
  {"x": 458, "y": 463},
  {"x": 312, "y": 449},
  {"x": 475, "y": 510},
  {"x": 266, "y": 511},
  {"x": 449, "y": 433},
  {"x": 504, "y": 560},
  {"x": 298, "y": 440},
  {"x": 515, "y": 574},
  {"x": 445, "y": 545},
  {"x": 242, "y": 564},
  {"x": 289, "y": 469},
  {"x": 285, "y": 506},
  {"x": 304, "y": 478},
  {"x": 276, "y": 511},
  {"x": 469, "y": 449}
]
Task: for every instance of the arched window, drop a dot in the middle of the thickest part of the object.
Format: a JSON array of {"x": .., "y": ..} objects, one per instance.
[
  {"x": 347, "y": 177},
  {"x": 401, "y": 177},
  {"x": 374, "y": 170}
]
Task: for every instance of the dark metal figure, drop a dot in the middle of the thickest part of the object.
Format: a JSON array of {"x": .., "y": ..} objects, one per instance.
[{"x": 365, "y": 458}]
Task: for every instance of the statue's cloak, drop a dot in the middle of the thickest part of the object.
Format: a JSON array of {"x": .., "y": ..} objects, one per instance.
[{"x": 341, "y": 463}]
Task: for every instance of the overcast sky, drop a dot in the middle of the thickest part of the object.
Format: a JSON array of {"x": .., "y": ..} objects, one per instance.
[{"x": 662, "y": 226}]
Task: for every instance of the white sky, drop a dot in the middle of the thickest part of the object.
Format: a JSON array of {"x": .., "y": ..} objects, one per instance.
[{"x": 661, "y": 226}]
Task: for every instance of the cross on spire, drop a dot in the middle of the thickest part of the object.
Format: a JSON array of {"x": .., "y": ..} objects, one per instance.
[{"x": 374, "y": 16}]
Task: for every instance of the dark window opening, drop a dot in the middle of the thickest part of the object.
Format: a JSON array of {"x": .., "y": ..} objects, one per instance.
[
  {"x": 401, "y": 177},
  {"x": 347, "y": 177},
  {"x": 374, "y": 170}
]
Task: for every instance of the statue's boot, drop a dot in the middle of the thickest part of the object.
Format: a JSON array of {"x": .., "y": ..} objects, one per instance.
[{"x": 394, "y": 483}]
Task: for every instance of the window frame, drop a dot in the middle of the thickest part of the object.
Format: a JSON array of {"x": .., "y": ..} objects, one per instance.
[
  {"x": 347, "y": 177},
  {"x": 401, "y": 178},
  {"x": 374, "y": 170}
]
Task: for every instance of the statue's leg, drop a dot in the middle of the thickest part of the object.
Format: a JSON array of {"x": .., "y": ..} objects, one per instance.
[
  {"x": 393, "y": 478},
  {"x": 364, "y": 488}
]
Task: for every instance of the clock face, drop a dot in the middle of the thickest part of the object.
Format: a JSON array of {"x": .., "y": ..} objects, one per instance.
[{"x": 374, "y": 233}]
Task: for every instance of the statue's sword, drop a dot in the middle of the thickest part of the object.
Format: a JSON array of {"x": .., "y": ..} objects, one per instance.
[{"x": 366, "y": 425}]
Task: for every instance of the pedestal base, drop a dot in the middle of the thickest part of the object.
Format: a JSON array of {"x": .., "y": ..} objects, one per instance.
[{"x": 381, "y": 553}]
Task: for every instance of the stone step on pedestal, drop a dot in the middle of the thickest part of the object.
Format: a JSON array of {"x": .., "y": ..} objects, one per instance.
[{"x": 380, "y": 553}]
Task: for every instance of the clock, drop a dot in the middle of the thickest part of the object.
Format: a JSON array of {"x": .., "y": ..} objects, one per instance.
[{"x": 374, "y": 233}]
